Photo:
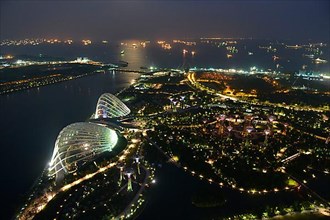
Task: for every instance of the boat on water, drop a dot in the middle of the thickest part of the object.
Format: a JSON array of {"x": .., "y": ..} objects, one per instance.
[
  {"x": 120, "y": 63},
  {"x": 309, "y": 55},
  {"x": 318, "y": 61},
  {"x": 122, "y": 52}
]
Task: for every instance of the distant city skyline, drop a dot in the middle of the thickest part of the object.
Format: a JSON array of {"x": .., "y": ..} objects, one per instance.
[{"x": 114, "y": 20}]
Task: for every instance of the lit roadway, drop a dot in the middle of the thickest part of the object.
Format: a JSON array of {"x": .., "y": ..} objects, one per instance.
[
  {"x": 88, "y": 176},
  {"x": 193, "y": 81}
]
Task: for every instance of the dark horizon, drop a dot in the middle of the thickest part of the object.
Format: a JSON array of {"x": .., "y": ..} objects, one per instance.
[{"x": 150, "y": 20}]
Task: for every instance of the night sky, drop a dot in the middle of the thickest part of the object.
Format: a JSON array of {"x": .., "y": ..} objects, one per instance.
[{"x": 115, "y": 20}]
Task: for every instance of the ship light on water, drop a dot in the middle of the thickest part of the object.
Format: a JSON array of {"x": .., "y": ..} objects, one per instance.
[{"x": 318, "y": 61}]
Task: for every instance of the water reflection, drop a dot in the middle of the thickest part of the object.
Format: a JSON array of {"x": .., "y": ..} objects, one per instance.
[{"x": 134, "y": 53}]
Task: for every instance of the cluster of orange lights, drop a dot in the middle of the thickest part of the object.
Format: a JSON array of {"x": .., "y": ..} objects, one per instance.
[
  {"x": 53, "y": 41},
  {"x": 86, "y": 42},
  {"x": 188, "y": 43},
  {"x": 184, "y": 51},
  {"x": 6, "y": 57},
  {"x": 164, "y": 45},
  {"x": 68, "y": 41}
]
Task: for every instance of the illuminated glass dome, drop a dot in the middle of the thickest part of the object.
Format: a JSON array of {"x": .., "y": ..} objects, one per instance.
[
  {"x": 78, "y": 143},
  {"x": 109, "y": 106}
]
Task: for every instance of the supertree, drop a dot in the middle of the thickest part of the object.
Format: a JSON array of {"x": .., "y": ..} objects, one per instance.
[
  {"x": 229, "y": 128},
  {"x": 137, "y": 161},
  {"x": 267, "y": 132},
  {"x": 249, "y": 129},
  {"x": 221, "y": 118},
  {"x": 121, "y": 170},
  {"x": 129, "y": 173},
  {"x": 174, "y": 104},
  {"x": 171, "y": 102},
  {"x": 182, "y": 101}
]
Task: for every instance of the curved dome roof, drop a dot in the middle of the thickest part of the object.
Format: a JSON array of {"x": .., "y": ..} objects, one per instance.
[
  {"x": 78, "y": 143},
  {"x": 109, "y": 106}
]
